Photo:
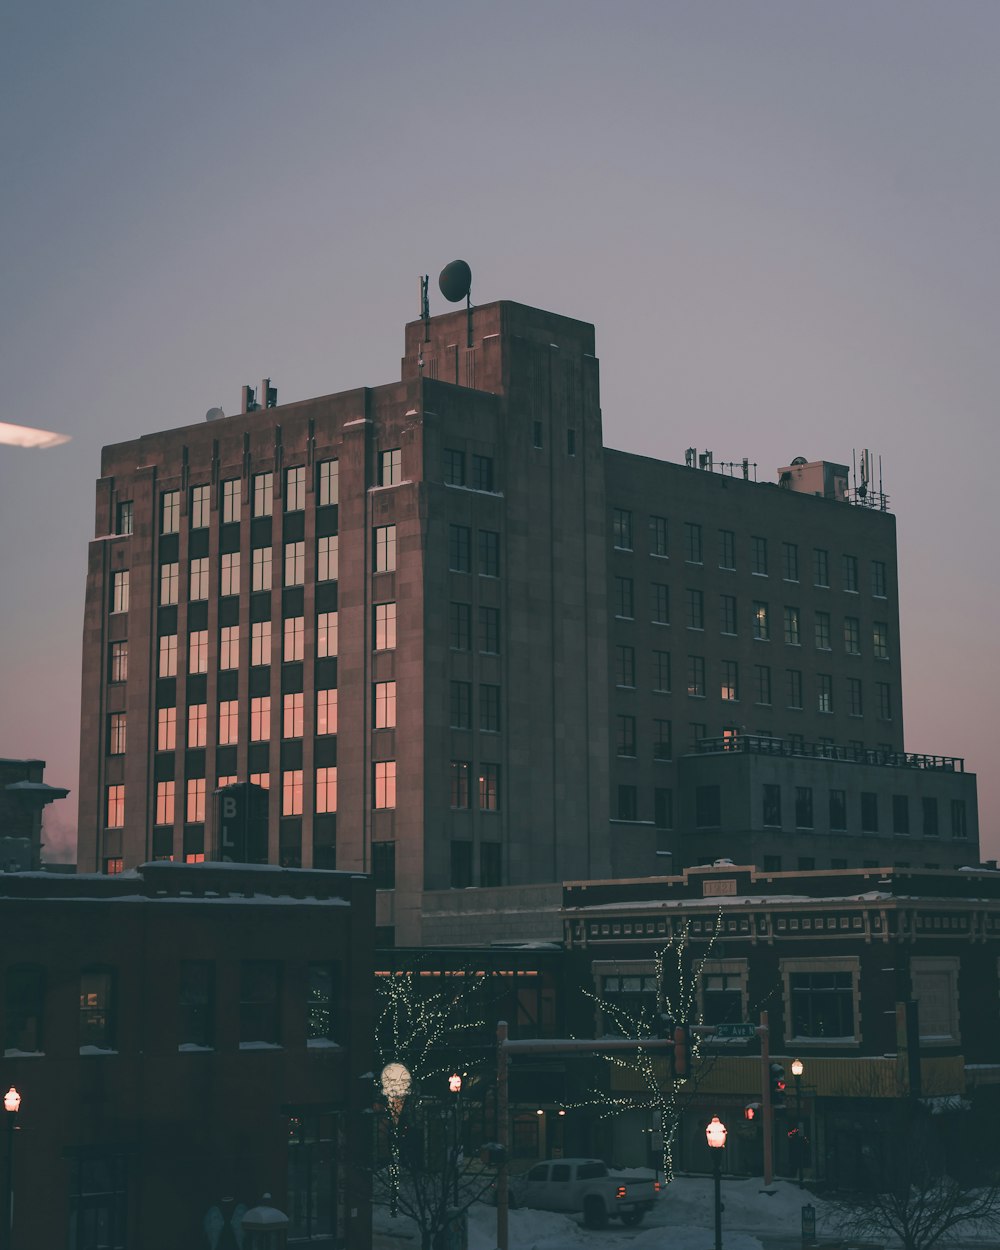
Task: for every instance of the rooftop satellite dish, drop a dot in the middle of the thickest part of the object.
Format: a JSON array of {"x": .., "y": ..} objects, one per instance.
[
  {"x": 455, "y": 281},
  {"x": 800, "y": 460},
  {"x": 214, "y": 414}
]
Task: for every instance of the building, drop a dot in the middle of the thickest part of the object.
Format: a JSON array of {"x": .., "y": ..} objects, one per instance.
[
  {"x": 181, "y": 1035},
  {"x": 23, "y": 797},
  {"x": 542, "y": 654}
]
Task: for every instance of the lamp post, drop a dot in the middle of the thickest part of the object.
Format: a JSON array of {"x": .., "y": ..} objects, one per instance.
[
  {"x": 798, "y": 1067},
  {"x": 396, "y": 1082},
  {"x": 11, "y": 1105},
  {"x": 455, "y": 1085},
  {"x": 716, "y": 1134}
]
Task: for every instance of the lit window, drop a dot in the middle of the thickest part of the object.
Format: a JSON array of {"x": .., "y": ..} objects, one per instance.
[
  {"x": 879, "y": 581},
  {"x": 730, "y": 686},
  {"x": 385, "y": 626},
  {"x": 695, "y": 602},
  {"x": 659, "y": 597},
  {"x": 489, "y": 709},
  {"x": 692, "y": 543},
  {"x": 229, "y": 722},
  {"x": 229, "y": 649},
  {"x": 727, "y": 614},
  {"x": 195, "y": 814},
  {"x": 385, "y": 784},
  {"x": 696, "y": 676},
  {"x": 758, "y": 556},
  {"x": 295, "y": 564},
  {"x": 459, "y": 548},
  {"x": 790, "y": 562},
  {"x": 489, "y": 787},
  {"x": 454, "y": 467},
  {"x": 292, "y": 716},
  {"x": 118, "y": 668},
  {"x": 170, "y": 512},
  {"x": 658, "y": 534},
  {"x": 199, "y": 579},
  {"x": 327, "y": 558},
  {"x": 119, "y": 591},
  {"x": 125, "y": 517},
  {"x": 263, "y": 494},
  {"x": 625, "y": 735},
  {"x": 115, "y": 807},
  {"x": 224, "y": 782},
  {"x": 165, "y": 802},
  {"x": 294, "y": 647},
  {"x": 261, "y": 779},
  {"x": 880, "y": 639},
  {"x": 260, "y": 643},
  {"x": 852, "y": 635},
  {"x": 116, "y": 733},
  {"x": 230, "y": 500},
  {"x": 458, "y": 772},
  {"x": 197, "y": 724},
  {"x": 329, "y": 482},
  {"x": 198, "y": 651},
  {"x": 761, "y": 622},
  {"x": 260, "y": 718},
  {"x": 624, "y": 597},
  {"x": 326, "y": 711},
  {"x": 822, "y": 631},
  {"x": 168, "y": 656},
  {"x": 792, "y": 636},
  {"x": 824, "y": 689},
  {"x": 295, "y": 489},
  {"x": 326, "y": 789},
  {"x": 621, "y": 528},
  {"x": 482, "y": 472},
  {"x": 166, "y": 728},
  {"x": 489, "y": 553},
  {"x": 169, "y": 581},
  {"x": 261, "y": 571},
  {"x": 229, "y": 582},
  {"x": 385, "y": 548},
  {"x": 661, "y": 671},
  {"x": 97, "y": 1021},
  {"x": 390, "y": 467},
  {"x": 291, "y": 792},
  {"x": 624, "y": 666},
  {"x": 201, "y": 498},
  {"x": 326, "y": 634},
  {"x": 385, "y": 705},
  {"x": 821, "y": 567}
]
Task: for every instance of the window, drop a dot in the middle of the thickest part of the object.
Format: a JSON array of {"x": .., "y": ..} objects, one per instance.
[
  {"x": 659, "y": 603},
  {"x": 880, "y": 639},
  {"x": 850, "y": 573},
  {"x": 727, "y": 614},
  {"x": 489, "y": 630},
  {"x": 793, "y": 687},
  {"x": 929, "y": 807},
  {"x": 707, "y": 807},
  {"x": 694, "y": 609},
  {"x": 198, "y": 651},
  {"x": 959, "y": 822},
  {"x": 624, "y": 597},
  {"x": 658, "y": 535},
  {"x": 489, "y": 787},
  {"x": 758, "y": 556},
  {"x": 772, "y": 806},
  {"x": 118, "y": 667},
  {"x": 390, "y": 467},
  {"x": 119, "y": 591},
  {"x": 730, "y": 684},
  {"x": 326, "y": 789},
  {"x": 458, "y": 774},
  {"x": 727, "y": 549},
  {"x": 261, "y": 779},
  {"x": 869, "y": 812},
  {"x": 385, "y": 784},
  {"x": 489, "y": 553},
  {"x": 197, "y": 724},
  {"x": 461, "y": 864},
  {"x": 838, "y": 810},
  {"x": 935, "y": 988},
  {"x": 229, "y": 722},
  {"x": 822, "y": 997},
  {"x": 98, "y": 1199},
  {"x": 292, "y": 715},
  {"x": 229, "y": 583},
  {"x": 199, "y": 587},
  {"x": 114, "y": 807},
  {"x": 621, "y": 528},
  {"x": 490, "y": 862},
  {"x": 536, "y": 433},
  {"x": 454, "y": 467},
  {"x": 116, "y": 733},
  {"x": 790, "y": 562},
  {"x": 260, "y": 718},
  {"x": 229, "y": 647},
  {"x": 260, "y": 643},
  {"x": 761, "y": 621},
  {"x": 201, "y": 500},
  {"x": 821, "y": 567},
  {"x": 663, "y": 808},
  {"x": 482, "y": 472},
  {"x": 384, "y": 865},
  {"x": 879, "y": 582},
  {"x": 24, "y": 1002},
  {"x": 97, "y": 1008},
  {"x": 852, "y": 635},
  {"x": 900, "y": 813},
  {"x": 295, "y": 489},
  {"x": 459, "y": 548},
  {"x": 883, "y": 695},
  {"x": 698, "y": 734},
  {"x": 385, "y": 705},
  {"x": 460, "y": 626},
  {"x": 385, "y": 548},
  {"x": 168, "y": 656},
  {"x": 692, "y": 543},
  {"x": 385, "y": 626},
  {"x": 169, "y": 581},
  {"x": 230, "y": 500},
  {"x": 762, "y": 682},
  {"x": 792, "y": 636},
  {"x": 696, "y": 676},
  {"x": 124, "y": 518},
  {"x": 327, "y": 558},
  {"x": 329, "y": 482},
  {"x": 263, "y": 494},
  {"x": 570, "y": 451},
  {"x": 460, "y": 707},
  {"x": 326, "y": 712},
  {"x": 327, "y": 634},
  {"x": 295, "y": 564},
  {"x": 663, "y": 739},
  {"x": 803, "y": 807},
  {"x": 661, "y": 671},
  {"x": 196, "y": 1005},
  {"x": 195, "y": 813},
  {"x": 628, "y": 803},
  {"x": 291, "y": 791},
  {"x": 320, "y": 998},
  {"x": 261, "y": 573},
  {"x": 489, "y": 709},
  {"x": 624, "y": 666},
  {"x": 170, "y": 512},
  {"x": 721, "y": 989},
  {"x": 823, "y": 631},
  {"x": 625, "y": 735},
  {"x": 824, "y": 692},
  {"x": 294, "y": 639},
  {"x": 260, "y": 1002}
]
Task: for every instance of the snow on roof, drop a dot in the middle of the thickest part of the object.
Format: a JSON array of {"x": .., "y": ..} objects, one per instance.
[{"x": 729, "y": 900}]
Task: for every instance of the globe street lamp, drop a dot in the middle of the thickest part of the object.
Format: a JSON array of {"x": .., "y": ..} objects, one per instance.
[
  {"x": 716, "y": 1134},
  {"x": 396, "y": 1082},
  {"x": 11, "y": 1105},
  {"x": 798, "y": 1067}
]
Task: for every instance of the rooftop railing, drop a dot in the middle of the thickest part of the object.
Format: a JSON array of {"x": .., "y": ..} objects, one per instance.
[{"x": 757, "y": 744}]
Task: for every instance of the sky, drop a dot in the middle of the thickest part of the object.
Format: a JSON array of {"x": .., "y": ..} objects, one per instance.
[{"x": 780, "y": 216}]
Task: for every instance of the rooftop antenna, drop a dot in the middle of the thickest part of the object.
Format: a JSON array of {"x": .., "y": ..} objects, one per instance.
[
  {"x": 425, "y": 308},
  {"x": 455, "y": 281}
]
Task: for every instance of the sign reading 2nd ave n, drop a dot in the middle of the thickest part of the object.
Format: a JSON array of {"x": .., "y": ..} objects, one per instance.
[{"x": 735, "y": 1030}]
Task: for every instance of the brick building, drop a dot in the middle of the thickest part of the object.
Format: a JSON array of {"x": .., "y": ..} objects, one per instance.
[{"x": 539, "y": 653}]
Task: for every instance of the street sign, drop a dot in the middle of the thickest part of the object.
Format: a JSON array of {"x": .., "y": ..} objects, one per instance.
[{"x": 735, "y": 1030}]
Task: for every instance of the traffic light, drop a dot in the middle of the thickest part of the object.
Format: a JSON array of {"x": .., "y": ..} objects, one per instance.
[
  {"x": 751, "y": 1111},
  {"x": 681, "y": 1055},
  {"x": 777, "y": 1085}
]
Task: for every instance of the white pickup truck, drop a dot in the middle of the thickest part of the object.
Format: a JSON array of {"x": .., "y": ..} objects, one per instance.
[{"x": 584, "y": 1186}]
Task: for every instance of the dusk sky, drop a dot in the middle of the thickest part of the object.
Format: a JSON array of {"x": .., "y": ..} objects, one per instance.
[{"x": 782, "y": 219}]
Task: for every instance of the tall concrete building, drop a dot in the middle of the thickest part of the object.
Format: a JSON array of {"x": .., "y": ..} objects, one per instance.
[{"x": 464, "y": 645}]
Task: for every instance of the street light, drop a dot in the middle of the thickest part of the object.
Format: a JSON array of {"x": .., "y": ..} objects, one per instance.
[
  {"x": 396, "y": 1082},
  {"x": 798, "y": 1067},
  {"x": 716, "y": 1134},
  {"x": 455, "y": 1085},
  {"x": 11, "y": 1104}
]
